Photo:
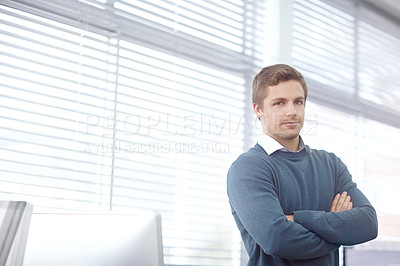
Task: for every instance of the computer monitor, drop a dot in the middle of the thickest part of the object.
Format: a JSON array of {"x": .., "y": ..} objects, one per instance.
[
  {"x": 373, "y": 256},
  {"x": 14, "y": 226},
  {"x": 94, "y": 239}
]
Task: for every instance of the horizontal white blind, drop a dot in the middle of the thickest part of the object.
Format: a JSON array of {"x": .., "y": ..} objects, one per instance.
[
  {"x": 129, "y": 104},
  {"x": 53, "y": 78},
  {"x": 379, "y": 60},
  {"x": 323, "y": 44},
  {"x": 204, "y": 31},
  {"x": 347, "y": 51},
  {"x": 219, "y": 23},
  {"x": 175, "y": 150}
]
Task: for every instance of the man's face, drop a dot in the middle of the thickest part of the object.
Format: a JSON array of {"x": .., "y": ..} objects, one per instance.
[{"x": 282, "y": 114}]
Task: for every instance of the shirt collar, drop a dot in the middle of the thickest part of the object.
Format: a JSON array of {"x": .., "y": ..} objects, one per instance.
[{"x": 270, "y": 145}]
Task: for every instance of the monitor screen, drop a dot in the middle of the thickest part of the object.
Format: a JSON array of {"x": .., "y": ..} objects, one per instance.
[{"x": 94, "y": 239}]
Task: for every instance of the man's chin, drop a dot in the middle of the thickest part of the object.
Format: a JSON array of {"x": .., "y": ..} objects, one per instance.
[
  {"x": 287, "y": 134},
  {"x": 290, "y": 135}
]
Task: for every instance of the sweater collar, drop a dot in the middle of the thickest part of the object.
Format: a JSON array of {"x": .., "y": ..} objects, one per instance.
[{"x": 270, "y": 145}]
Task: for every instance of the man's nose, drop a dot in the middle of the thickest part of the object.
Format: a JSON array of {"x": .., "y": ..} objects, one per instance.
[{"x": 291, "y": 109}]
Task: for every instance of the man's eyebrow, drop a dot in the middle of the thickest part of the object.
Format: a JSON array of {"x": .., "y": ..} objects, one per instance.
[
  {"x": 284, "y": 99},
  {"x": 279, "y": 99}
]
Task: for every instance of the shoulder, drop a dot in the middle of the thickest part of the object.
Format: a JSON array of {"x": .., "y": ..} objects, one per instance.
[
  {"x": 325, "y": 156},
  {"x": 251, "y": 170},
  {"x": 253, "y": 156},
  {"x": 254, "y": 152},
  {"x": 255, "y": 159}
]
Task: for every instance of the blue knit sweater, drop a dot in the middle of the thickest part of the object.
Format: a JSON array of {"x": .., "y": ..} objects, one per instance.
[{"x": 263, "y": 188}]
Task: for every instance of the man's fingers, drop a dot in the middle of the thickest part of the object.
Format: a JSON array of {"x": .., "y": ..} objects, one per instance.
[
  {"x": 290, "y": 217},
  {"x": 334, "y": 203},
  {"x": 346, "y": 203},
  {"x": 350, "y": 206},
  {"x": 341, "y": 202}
]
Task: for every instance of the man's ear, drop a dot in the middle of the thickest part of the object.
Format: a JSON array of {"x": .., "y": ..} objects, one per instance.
[{"x": 257, "y": 111}]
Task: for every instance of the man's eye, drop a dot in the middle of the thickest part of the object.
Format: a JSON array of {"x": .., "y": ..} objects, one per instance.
[
  {"x": 299, "y": 102},
  {"x": 278, "y": 103}
]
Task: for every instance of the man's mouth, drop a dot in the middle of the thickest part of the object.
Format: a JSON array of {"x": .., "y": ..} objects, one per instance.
[{"x": 291, "y": 124}]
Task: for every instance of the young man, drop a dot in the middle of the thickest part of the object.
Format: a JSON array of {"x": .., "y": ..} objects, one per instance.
[{"x": 293, "y": 205}]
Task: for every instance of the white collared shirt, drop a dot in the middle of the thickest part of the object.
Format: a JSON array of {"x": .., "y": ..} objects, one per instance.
[{"x": 270, "y": 145}]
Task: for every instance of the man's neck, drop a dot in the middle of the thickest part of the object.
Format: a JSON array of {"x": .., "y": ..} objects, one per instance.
[{"x": 293, "y": 146}]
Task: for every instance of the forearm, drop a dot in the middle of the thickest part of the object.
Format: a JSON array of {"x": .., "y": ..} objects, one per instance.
[
  {"x": 344, "y": 228},
  {"x": 350, "y": 227},
  {"x": 266, "y": 225},
  {"x": 351, "y": 220},
  {"x": 289, "y": 240}
]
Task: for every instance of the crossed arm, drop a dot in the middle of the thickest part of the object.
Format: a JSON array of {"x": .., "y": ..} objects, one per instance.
[
  {"x": 314, "y": 233},
  {"x": 341, "y": 202}
]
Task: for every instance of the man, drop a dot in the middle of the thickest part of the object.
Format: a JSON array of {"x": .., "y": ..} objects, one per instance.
[{"x": 293, "y": 205}]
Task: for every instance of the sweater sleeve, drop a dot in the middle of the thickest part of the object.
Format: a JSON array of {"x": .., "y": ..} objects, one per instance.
[
  {"x": 350, "y": 227},
  {"x": 255, "y": 202}
]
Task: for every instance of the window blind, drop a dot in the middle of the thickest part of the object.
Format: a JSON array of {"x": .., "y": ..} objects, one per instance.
[
  {"x": 54, "y": 76},
  {"x": 323, "y": 44},
  {"x": 118, "y": 105},
  {"x": 378, "y": 85},
  {"x": 187, "y": 137},
  {"x": 379, "y": 60},
  {"x": 345, "y": 52}
]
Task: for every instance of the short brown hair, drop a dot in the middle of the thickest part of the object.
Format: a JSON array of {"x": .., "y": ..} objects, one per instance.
[{"x": 272, "y": 76}]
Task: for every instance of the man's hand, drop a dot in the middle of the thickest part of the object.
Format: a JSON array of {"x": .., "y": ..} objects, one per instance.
[
  {"x": 290, "y": 217},
  {"x": 341, "y": 203}
]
